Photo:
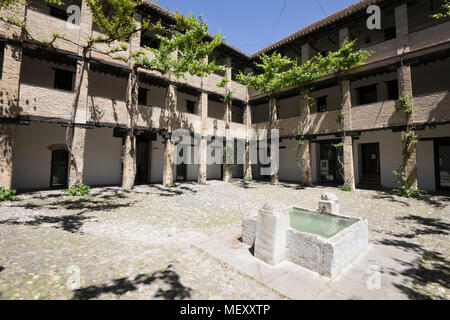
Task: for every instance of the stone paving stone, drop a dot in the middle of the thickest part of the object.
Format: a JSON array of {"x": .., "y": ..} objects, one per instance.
[{"x": 145, "y": 244}]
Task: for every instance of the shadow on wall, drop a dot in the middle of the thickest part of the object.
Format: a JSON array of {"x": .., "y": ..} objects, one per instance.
[
  {"x": 168, "y": 277},
  {"x": 10, "y": 103},
  {"x": 442, "y": 110}
]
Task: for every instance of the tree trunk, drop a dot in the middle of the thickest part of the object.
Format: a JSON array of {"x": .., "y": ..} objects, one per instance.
[
  {"x": 171, "y": 107},
  {"x": 227, "y": 169},
  {"x": 129, "y": 165},
  {"x": 272, "y": 121},
  {"x": 73, "y": 113}
]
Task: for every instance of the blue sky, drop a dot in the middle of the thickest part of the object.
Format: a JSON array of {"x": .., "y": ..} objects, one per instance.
[{"x": 251, "y": 25}]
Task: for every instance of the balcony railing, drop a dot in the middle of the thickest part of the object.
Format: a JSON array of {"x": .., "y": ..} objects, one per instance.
[{"x": 42, "y": 101}]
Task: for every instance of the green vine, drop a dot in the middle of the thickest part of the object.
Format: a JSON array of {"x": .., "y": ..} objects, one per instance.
[
  {"x": 405, "y": 105},
  {"x": 228, "y": 96},
  {"x": 407, "y": 186},
  {"x": 445, "y": 11},
  {"x": 229, "y": 93},
  {"x": 340, "y": 117}
]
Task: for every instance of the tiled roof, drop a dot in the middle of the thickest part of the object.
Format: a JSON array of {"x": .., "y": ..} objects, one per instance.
[
  {"x": 170, "y": 14},
  {"x": 319, "y": 24},
  {"x": 360, "y": 5}
]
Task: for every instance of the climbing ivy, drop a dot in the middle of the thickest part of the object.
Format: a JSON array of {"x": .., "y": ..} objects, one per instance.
[
  {"x": 407, "y": 187},
  {"x": 405, "y": 105},
  {"x": 445, "y": 11}
]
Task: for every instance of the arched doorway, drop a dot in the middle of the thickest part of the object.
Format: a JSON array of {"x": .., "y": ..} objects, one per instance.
[{"x": 59, "y": 168}]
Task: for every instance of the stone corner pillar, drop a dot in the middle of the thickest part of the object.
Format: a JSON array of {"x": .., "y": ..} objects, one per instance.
[
  {"x": 129, "y": 162},
  {"x": 273, "y": 223},
  {"x": 274, "y": 153},
  {"x": 305, "y": 158},
  {"x": 203, "y": 157},
  {"x": 306, "y": 52},
  {"x": 171, "y": 108},
  {"x": 248, "y": 175},
  {"x": 405, "y": 88},
  {"x": 402, "y": 28},
  {"x": 344, "y": 34},
  {"x": 349, "y": 170},
  {"x": 7, "y": 142}
]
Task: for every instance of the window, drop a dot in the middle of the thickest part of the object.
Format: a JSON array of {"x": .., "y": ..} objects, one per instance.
[
  {"x": 367, "y": 94},
  {"x": 390, "y": 33},
  {"x": 190, "y": 106},
  {"x": 63, "y": 79},
  {"x": 322, "y": 104},
  {"x": 151, "y": 42},
  {"x": 392, "y": 89},
  {"x": 58, "y": 13},
  {"x": 142, "y": 96}
]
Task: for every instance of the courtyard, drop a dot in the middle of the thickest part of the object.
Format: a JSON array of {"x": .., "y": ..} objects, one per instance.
[{"x": 183, "y": 243}]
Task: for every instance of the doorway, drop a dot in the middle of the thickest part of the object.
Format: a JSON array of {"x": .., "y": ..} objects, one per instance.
[
  {"x": 370, "y": 165},
  {"x": 442, "y": 164},
  {"x": 59, "y": 169},
  {"x": 329, "y": 166},
  {"x": 142, "y": 157},
  {"x": 181, "y": 169}
]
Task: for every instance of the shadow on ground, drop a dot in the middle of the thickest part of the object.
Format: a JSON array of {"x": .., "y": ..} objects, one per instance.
[
  {"x": 69, "y": 223},
  {"x": 433, "y": 267},
  {"x": 436, "y": 200},
  {"x": 175, "y": 191},
  {"x": 175, "y": 291}
]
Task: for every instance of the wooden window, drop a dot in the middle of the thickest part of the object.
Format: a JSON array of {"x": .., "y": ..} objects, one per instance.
[
  {"x": 151, "y": 42},
  {"x": 392, "y": 89},
  {"x": 190, "y": 106},
  {"x": 63, "y": 79},
  {"x": 390, "y": 33},
  {"x": 322, "y": 104},
  {"x": 367, "y": 94},
  {"x": 142, "y": 96},
  {"x": 58, "y": 13}
]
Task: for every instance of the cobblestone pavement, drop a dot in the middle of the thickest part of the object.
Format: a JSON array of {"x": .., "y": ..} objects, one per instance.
[{"x": 140, "y": 245}]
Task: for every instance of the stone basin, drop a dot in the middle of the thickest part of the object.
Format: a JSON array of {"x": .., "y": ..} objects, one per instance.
[{"x": 323, "y": 241}]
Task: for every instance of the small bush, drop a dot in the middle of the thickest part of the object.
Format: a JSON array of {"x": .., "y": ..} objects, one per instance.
[
  {"x": 248, "y": 179},
  {"x": 231, "y": 181},
  {"x": 406, "y": 188},
  {"x": 345, "y": 187},
  {"x": 7, "y": 194},
  {"x": 170, "y": 185},
  {"x": 78, "y": 190}
]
